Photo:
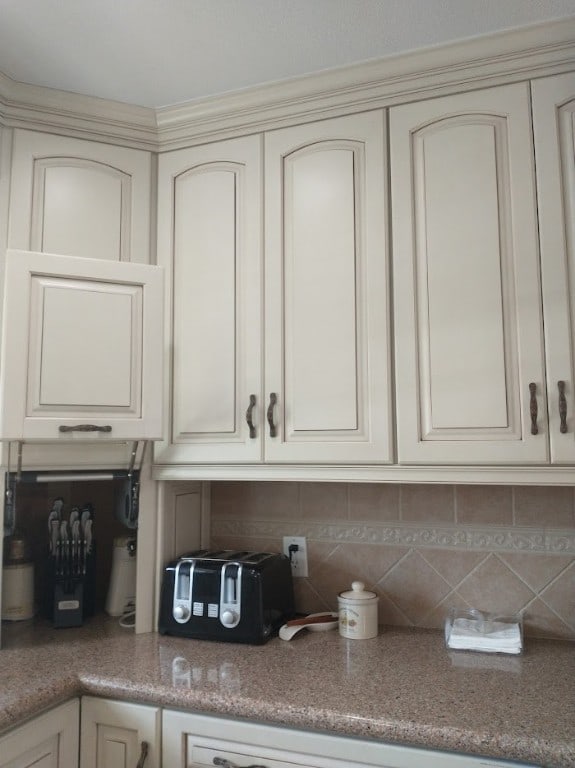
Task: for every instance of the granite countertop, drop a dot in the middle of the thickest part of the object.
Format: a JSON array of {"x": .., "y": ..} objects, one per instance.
[{"x": 401, "y": 687}]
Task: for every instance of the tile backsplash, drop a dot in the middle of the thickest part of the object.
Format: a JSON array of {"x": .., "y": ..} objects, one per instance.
[{"x": 422, "y": 548}]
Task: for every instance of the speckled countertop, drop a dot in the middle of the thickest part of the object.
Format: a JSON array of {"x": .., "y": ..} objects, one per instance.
[{"x": 401, "y": 687}]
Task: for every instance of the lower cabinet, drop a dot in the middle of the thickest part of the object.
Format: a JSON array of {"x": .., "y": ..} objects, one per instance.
[
  {"x": 49, "y": 741},
  {"x": 199, "y": 741},
  {"x": 117, "y": 734}
]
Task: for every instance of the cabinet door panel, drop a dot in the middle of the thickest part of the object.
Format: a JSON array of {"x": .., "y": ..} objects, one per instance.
[
  {"x": 467, "y": 291},
  {"x": 79, "y": 198},
  {"x": 50, "y": 740},
  {"x": 113, "y": 734},
  {"x": 554, "y": 130},
  {"x": 326, "y": 331},
  {"x": 209, "y": 239},
  {"x": 81, "y": 343}
]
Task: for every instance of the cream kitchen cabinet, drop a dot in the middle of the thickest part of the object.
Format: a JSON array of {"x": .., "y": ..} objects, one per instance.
[
  {"x": 280, "y": 342},
  {"x": 199, "y": 741},
  {"x": 79, "y": 198},
  {"x": 469, "y": 343},
  {"x": 117, "y": 734},
  {"x": 80, "y": 349},
  {"x": 554, "y": 131},
  {"x": 50, "y": 740}
]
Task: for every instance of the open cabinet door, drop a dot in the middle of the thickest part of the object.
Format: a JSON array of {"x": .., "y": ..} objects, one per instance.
[{"x": 81, "y": 346}]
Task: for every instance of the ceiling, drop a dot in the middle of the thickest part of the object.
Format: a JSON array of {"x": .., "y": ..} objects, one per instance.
[{"x": 162, "y": 52}]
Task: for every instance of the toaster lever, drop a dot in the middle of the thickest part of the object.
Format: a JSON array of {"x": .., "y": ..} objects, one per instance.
[{"x": 230, "y": 594}]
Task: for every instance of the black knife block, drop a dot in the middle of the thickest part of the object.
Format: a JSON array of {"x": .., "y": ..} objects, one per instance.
[{"x": 70, "y": 594}]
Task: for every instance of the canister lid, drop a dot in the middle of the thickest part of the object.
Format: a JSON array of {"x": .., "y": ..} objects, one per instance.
[{"x": 358, "y": 592}]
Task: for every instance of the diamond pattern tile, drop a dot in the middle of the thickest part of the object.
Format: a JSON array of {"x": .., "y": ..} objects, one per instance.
[{"x": 414, "y": 586}]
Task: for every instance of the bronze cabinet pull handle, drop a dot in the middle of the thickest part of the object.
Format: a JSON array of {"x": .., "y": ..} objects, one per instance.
[
  {"x": 533, "y": 408},
  {"x": 143, "y": 755},
  {"x": 223, "y": 763},
  {"x": 85, "y": 428},
  {"x": 562, "y": 407},
  {"x": 273, "y": 401},
  {"x": 249, "y": 419}
]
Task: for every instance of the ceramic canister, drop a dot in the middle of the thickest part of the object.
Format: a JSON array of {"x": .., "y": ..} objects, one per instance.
[{"x": 358, "y": 612}]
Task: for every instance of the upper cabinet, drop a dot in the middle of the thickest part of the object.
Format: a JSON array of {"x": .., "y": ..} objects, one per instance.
[
  {"x": 554, "y": 131},
  {"x": 472, "y": 385},
  {"x": 293, "y": 367},
  {"x": 79, "y": 198},
  {"x": 80, "y": 349}
]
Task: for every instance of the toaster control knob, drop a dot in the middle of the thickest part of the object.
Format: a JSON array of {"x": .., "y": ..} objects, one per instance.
[
  {"x": 228, "y": 618},
  {"x": 180, "y": 612}
]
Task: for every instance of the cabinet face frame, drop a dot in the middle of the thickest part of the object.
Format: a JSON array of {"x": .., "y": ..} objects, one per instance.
[
  {"x": 514, "y": 225},
  {"x": 139, "y": 289}
]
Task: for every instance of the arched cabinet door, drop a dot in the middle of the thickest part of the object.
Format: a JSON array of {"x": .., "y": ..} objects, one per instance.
[
  {"x": 209, "y": 240},
  {"x": 554, "y": 131},
  {"x": 79, "y": 198},
  {"x": 470, "y": 367},
  {"x": 327, "y": 358}
]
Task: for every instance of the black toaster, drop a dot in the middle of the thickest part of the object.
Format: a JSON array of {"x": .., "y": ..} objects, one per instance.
[{"x": 239, "y": 597}]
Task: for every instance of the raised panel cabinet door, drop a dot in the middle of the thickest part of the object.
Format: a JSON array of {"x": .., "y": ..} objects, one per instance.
[
  {"x": 81, "y": 349},
  {"x": 209, "y": 240},
  {"x": 48, "y": 741},
  {"x": 79, "y": 198},
  {"x": 118, "y": 734},
  {"x": 470, "y": 370},
  {"x": 554, "y": 131},
  {"x": 327, "y": 359}
]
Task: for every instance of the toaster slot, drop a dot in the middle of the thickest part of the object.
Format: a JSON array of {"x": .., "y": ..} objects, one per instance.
[
  {"x": 230, "y": 594},
  {"x": 183, "y": 588}
]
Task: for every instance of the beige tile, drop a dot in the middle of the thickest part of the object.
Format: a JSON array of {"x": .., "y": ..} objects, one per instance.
[
  {"x": 453, "y": 564},
  {"x": 388, "y": 612},
  {"x": 436, "y": 619},
  {"x": 324, "y": 501},
  {"x": 493, "y": 587},
  {"x": 536, "y": 569},
  {"x": 544, "y": 507},
  {"x": 373, "y": 502},
  {"x": 484, "y": 504},
  {"x": 427, "y": 504},
  {"x": 307, "y": 600},
  {"x": 353, "y": 562},
  {"x": 560, "y": 596},
  {"x": 229, "y": 499},
  {"x": 414, "y": 587},
  {"x": 317, "y": 553},
  {"x": 540, "y": 621},
  {"x": 276, "y": 501}
]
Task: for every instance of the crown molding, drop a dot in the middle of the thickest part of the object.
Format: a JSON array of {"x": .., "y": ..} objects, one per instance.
[
  {"x": 504, "y": 57},
  {"x": 517, "y": 54},
  {"x": 71, "y": 114}
]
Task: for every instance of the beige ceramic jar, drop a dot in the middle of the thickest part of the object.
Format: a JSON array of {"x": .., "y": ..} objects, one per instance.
[{"x": 358, "y": 612}]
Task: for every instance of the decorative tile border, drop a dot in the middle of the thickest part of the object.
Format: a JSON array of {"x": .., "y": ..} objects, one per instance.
[{"x": 487, "y": 539}]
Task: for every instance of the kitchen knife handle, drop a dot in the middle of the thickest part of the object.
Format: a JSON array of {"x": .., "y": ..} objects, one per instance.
[
  {"x": 562, "y": 407},
  {"x": 533, "y": 408},
  {"x": 273, "y": 401},
  {"x": 249, "y": 418},
  {"x": 85, "y": 428},
  {"x": 143, "y": 755},
  {"x": 223, "y": 763}
]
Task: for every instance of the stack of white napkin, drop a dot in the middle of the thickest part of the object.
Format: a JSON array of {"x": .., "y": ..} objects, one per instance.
[{"x": 484, "y": 635}]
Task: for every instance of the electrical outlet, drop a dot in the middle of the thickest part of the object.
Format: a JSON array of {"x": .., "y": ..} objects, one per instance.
[{"x": 295, "y": 548}]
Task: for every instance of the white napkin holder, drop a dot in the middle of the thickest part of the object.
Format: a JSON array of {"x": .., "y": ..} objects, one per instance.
[{"x": 475, "y": 630}]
